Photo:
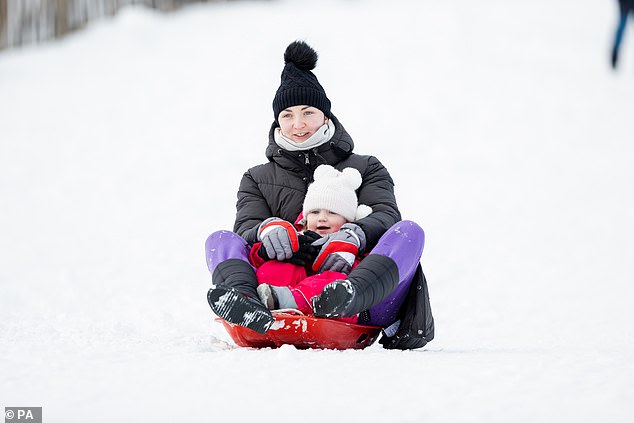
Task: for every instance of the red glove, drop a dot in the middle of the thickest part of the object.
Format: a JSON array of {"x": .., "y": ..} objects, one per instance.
[
  {"x": 339, "y": 249},
  {"x": 279, "y": 238}
]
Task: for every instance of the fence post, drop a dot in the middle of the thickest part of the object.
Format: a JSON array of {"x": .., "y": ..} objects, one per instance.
[
  {"x": 3, "y": 24},
  {"x": 61, "y": 18}
]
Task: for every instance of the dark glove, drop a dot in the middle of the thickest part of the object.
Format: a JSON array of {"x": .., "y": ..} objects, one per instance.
[
  {"x": 279, "y": 238},
  {"x": 338, "y": 250},
  {"x": 307, "y": 252},
  {"x": 302, "y": 257}
]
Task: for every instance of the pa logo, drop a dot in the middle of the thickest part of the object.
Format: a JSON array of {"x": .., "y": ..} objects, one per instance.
[{"x": 23, "y": 414}]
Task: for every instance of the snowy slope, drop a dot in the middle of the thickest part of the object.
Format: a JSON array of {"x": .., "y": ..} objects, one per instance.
[{"x": 509, "y": 138}]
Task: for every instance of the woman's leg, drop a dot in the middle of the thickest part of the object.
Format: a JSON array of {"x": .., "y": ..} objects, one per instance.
[
  {"x": 234, "y": 296},
  {"x": 228, "y": 262},
  {"x": 403, "y": 243},
  {"x": 380, "y": 282}
]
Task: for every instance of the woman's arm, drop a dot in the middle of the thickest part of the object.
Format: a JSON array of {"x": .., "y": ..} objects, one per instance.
[
  {"x": 377, "y": 191},
  {"x": 252, "y": 209}
]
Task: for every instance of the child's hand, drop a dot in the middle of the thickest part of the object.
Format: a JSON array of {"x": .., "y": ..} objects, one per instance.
[
  {"x": 310, "y": 236},
  {"x": 338, "y": 250},
  {"x": 279, "y": 238},
  {"x": 307, "y": 252}
]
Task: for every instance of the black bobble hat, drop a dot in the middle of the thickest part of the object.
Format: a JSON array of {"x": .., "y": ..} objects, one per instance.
[{"x": 299, "y": 85}]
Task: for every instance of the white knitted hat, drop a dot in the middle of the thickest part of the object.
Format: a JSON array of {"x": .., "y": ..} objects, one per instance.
[{"x": 335, "y": 191}]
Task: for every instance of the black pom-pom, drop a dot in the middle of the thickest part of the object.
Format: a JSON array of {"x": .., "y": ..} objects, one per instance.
[{"x": 301, "y": 55}]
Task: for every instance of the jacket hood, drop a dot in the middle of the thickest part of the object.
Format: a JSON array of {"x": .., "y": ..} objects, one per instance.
[{"x": 339, "y": 147}]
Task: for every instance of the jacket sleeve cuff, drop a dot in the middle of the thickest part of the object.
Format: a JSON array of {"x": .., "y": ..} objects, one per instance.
[{"x": 254, "y": 257}]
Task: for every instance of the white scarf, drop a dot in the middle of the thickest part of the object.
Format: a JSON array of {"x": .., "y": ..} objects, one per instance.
[{"x": 321, "y": 136}]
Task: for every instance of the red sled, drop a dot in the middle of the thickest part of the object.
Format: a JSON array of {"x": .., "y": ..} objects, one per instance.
[{"x": 305, "y": 332}]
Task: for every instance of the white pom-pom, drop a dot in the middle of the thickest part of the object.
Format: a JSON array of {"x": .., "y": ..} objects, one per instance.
[
  {"x": 352, "y": 177},
  {"x": 363, "y": 211},
  {"x": 325, "y": 171}
]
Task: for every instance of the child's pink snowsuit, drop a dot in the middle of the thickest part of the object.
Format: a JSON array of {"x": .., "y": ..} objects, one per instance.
[{"x": 302, "y": 286}]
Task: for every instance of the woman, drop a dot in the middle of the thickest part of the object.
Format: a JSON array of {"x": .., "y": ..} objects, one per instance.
[{"x": 304, "y": 135}]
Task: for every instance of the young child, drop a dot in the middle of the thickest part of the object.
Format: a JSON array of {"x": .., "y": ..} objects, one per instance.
[{"x": 330, "y": 203}]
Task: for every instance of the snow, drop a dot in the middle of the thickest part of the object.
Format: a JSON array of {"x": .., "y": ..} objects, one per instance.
[{"x": 508, "y": 136}]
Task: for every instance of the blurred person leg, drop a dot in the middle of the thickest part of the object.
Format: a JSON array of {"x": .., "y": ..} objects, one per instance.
[{"x": 620, "y": 30}]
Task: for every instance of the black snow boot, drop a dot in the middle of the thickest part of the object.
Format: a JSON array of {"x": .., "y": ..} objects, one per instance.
[
  {"x": 368, "y": 284},
  {"x": 235, "y": 298}
]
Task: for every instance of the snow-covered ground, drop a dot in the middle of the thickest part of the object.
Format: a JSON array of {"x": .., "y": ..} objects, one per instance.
[{"x": 511, "y": 142}]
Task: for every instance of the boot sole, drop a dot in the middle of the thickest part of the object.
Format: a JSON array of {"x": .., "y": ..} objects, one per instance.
[
  {"x": 236, "y": 308},
  {"x": 333, "y": 300}
]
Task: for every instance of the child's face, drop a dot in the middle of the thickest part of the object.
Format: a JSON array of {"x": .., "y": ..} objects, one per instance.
[{"x": 324, "y": 221}]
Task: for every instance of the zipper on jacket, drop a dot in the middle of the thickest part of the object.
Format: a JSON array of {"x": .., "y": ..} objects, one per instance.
[
  {"x": 307, "y": 158},
  {"x": 307, "y": 170}
]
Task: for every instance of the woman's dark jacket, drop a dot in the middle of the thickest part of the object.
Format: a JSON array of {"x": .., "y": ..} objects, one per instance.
[{"x": 278, "y": 187}]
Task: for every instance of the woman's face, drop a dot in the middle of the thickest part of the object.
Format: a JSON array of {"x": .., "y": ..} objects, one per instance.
[
  {"x": 298, "y": 123},
  {"x": 324, "y": 222}
]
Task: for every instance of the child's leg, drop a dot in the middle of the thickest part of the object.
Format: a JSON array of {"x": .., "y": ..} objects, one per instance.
[
  {"x": 311, "y": 286},
  {"x": 274, "y": 282},
  {"x": 278, "y": 273}
]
